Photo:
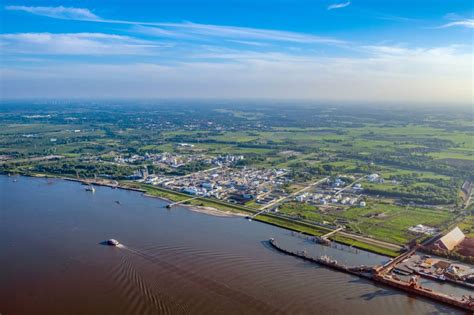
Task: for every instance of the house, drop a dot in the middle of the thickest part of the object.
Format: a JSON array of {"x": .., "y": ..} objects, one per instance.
[
  {"x": 300, "y": 198},
  {"x": 373, "y": 177},
  {"x": 422, "y": 229},
  {"x": 451, "y": 240},
  {"x": 207, "y": 185},
  {"x": 189, "y": 191}
]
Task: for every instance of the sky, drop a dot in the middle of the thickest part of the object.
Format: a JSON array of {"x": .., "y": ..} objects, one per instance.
[{"x": 392, "y": 51}]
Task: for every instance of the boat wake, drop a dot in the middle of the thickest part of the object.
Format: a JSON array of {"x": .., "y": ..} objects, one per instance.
[
  {"x": 185, "y": 275},
  {"x": 141, "y": 297}
]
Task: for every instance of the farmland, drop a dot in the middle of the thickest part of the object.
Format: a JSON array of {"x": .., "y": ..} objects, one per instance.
[{"x": 422, "y": 156}]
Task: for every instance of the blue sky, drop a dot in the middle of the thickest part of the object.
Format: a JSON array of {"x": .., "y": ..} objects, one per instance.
[{"x": 375, "y": 51}]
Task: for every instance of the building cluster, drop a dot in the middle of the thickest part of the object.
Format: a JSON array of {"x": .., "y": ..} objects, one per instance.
[
  {"x": 330, "y": 194},
  {"x": 375, "y": 178},
  {"x": 231, "y": 184},
  {"x": 326, "y": 198},
  {"x": 228, "y": 159},
  {"x": 175, "y": 160},
  {"x": 423, "y": 229},
  {"x": 436, "y": 268},
  {"x": 163, "y": 159}
]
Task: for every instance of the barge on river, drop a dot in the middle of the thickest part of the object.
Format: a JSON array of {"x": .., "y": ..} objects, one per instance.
[{"x": 380, "y": 275}]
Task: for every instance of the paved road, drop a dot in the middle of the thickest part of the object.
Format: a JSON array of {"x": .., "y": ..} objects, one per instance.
[{"x": 280, "y": 200}]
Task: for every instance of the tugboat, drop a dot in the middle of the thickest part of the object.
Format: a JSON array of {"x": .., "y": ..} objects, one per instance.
[{"x": 113, "y": 242}]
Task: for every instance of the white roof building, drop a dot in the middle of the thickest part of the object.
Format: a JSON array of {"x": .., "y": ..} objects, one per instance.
[{"x": 452, "y": 239}]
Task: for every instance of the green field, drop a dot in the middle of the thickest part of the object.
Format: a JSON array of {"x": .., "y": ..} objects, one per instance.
[{"x": 423, "y": 156}]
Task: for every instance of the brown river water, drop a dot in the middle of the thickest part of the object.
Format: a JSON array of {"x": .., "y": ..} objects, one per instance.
[{"x": 171, "y": 262}]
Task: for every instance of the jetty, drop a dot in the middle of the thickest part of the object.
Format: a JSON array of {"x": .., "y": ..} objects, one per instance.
[
  {"x": 325, "y": 237},
  {"x": 171, "y": 205},
  {"x": 380, "y": 274},
  {"x": 258, "y": 213}
]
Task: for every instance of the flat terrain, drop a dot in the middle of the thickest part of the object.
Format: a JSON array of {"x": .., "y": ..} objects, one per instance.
[{"x": 423, "y": 156}]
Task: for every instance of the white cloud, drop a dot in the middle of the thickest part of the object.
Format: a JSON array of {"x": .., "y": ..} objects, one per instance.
[
  {"x": 247, "y": 42},
  {"x": 57, "y": 12},
  {"x": 400, "y": 75},
  {"x": 339, "y": 5},
  {"x": 469, "y": 23},
  {"x": 258, "y": 69},
  {"x": 74, "y": 44},
  {"x": 235, "y": 32},
  {"x": 182, "y": 30}
]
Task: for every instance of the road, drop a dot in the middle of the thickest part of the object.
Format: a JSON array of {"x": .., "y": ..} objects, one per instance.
[
  {"x": 350, "y": 185},
  {"x": 280, "y": 200},
  {"x": 199, "y": 172}
]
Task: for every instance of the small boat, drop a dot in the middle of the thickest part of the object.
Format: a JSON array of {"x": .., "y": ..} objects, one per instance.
[
  {"x": 90, "y": 188},
  {"x": 113, "y": 242},
  {"x": 117, "y": 202}
]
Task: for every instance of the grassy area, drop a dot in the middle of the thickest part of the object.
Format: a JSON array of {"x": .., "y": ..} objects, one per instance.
[
  {"x": 467, "y": 226},
  {"x": 291, "y": 225},
  {"x": 380, "y": 220},
  {"x": 365, "y": 246},
  {"x": 266, "y": 218},
  {"x": 423, "y": 156}
]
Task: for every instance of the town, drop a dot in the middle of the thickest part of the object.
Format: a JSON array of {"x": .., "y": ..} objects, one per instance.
[{"x": 356, "y": 186}]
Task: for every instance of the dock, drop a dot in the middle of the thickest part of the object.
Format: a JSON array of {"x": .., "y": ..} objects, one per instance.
[{"x": 380, "y": 274}]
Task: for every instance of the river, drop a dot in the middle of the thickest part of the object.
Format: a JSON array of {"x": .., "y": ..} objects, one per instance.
[{"x": 173, "y": 261}]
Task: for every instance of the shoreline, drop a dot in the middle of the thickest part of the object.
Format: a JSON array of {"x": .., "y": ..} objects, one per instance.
[
  {"x": 194, "y": 208},
  {"x": 216, "y": 212},
  {"x": 199, "y": 209}
]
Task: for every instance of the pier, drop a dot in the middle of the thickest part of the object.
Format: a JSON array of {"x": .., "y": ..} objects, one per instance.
[
  {"x": 381, "y": 274},
  {"x": 171, "y": 205},
  {"x": 326, "y": 236},
  {"x": 258, "y": 213}
]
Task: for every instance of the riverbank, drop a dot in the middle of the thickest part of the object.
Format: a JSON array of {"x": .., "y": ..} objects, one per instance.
[
  {"x": 195, "y": 257},
  {"x": 221, "y": 208}
]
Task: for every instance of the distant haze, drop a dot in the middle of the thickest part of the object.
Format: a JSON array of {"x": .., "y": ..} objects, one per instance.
[{"x": 322, "y": 51}]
